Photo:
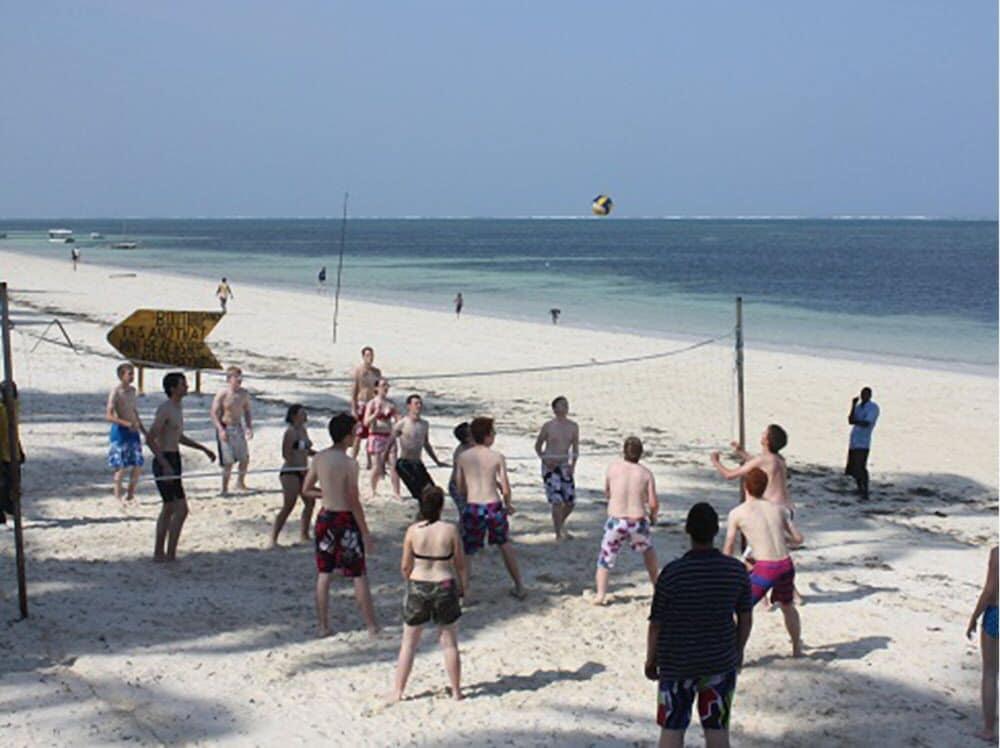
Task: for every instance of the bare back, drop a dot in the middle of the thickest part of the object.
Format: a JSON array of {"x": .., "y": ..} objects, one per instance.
[
  {"x": 765, "y": 525},
  {"x": 337, "y": 474},
  {"x": 438, "y": 539},
  {"x": 777, "y": 477},
  {"x": 629, "y": 486},
  {"x": 481, "y": 470}
]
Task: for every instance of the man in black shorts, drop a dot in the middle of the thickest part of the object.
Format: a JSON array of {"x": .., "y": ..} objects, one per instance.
[
  {"x": 413, "y": 433},
  {"x": 164, "y": 438}
]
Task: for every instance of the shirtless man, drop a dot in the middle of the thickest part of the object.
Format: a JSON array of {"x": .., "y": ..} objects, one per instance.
[
  {"x": 768, "y": 527},
  {"x": 230, "y": 407},
  {"x": 342, "y": 536},
  {"x": 772, "y": 441},
  {"x": 365, "y": 376},
  {"x": 632, "y": 509},
  {"x": 558, "y": 447},
  {"x": 412, "y": 434},
  {"x": 223, "y": 293},
  {"x": 463, "y": 435},
  {"x": 164, "y": 439},
  {"x": 125, "y": 452},
  {"x": 481, "y": 477}
]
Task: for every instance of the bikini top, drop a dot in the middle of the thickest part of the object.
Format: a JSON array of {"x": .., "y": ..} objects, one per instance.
[
  {"x": 433, "y": 558},
  {"x": 302, "y": 444}
]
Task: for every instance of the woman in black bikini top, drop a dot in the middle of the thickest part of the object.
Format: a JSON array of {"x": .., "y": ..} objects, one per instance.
[
  {"x": 434, "y": 583},
  {"x": 296, "y": 449}
]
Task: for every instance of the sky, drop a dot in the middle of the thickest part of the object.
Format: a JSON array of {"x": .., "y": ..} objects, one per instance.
[{"x": 688, "y": 108}]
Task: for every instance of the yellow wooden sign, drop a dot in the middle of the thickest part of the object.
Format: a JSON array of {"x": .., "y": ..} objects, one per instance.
[{"x": 167, "y": 338}]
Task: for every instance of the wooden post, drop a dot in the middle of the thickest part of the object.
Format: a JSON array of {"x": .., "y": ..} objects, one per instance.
[
  {"x": 142, "y": 388},
  {"x": 340, "y": 269},
  {"x": 197, "y": 381},
  {"x": 13, "y": 440},
  {"x": 739, "y": 371}
]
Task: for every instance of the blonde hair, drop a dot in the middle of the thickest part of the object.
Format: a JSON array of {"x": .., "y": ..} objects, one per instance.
[{"x": 233, "y": 371}]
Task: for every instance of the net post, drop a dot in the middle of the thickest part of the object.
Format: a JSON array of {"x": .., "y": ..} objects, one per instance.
[
  {"x": 197, "y": 381},
  {"x": 741, "y": 418},
  {"x": 340, "y": 269},
  {"x": 14, "y": 444},
  {"x": 142, "y": 383}
]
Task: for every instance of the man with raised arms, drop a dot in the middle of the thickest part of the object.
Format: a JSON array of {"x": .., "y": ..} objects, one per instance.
[
  {"x": 481, "y": 477},
  {"x": 125, "y": 450},
  {"x": 364, "y": 378},
  {"x": 413, "y": 436},
  {"x": 772, "y": 441},
  {"x": 342, "y": 537},
  {"x": 632, "y": 509},
  {"x": 164, "y": 439},
  {"x": 768, "y": 528},
  {"x": 230, "y": 407},
  {"x": 558, "y": 447}
]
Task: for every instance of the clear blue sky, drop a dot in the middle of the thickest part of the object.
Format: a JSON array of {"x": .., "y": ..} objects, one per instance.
[{"x": 225, "y": 108}]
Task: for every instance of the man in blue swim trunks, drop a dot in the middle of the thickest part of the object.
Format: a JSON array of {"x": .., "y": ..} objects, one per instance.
[
  {"x": 989, "y": 643},
  {"x": 125, "y": 451}
]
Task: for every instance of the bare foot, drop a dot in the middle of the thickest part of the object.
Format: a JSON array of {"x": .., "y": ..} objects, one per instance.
[
  {"x": 797, "y": 648},
  {"x": 272, "y": 545},
  {"x": 566, "y": 535},
  {"x": 394, "y": 697},
  {"x": 373, "y": 633},
  {"x": 596, "y": 600},
  {"x": 457, "y": 695},
  {"x": 988, "y": 735},
  {"x": 242, "y": 487},
  {"x": 323, "y": 631},
  {"x": 159, "y": 558},
  {"x": 519, "y": 592}
]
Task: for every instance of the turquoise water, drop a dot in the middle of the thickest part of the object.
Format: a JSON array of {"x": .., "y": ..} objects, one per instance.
[{"x": 925, "y": 291}]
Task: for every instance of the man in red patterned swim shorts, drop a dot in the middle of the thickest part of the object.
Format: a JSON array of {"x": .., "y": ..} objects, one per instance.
[
  {"x": 479, "y": 472},
  {"x": 341, "y": 531},
  {"x": 769, "y": 530}
]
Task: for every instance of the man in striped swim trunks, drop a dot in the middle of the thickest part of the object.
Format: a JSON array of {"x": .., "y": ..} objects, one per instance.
[{"x": 768, "y": 528}]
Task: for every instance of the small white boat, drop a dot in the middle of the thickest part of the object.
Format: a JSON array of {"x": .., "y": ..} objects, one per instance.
[
  {"x": 61, "y": 236},
  {"x": 96, "y": 235},
  {"x": 125, "y": 245}
]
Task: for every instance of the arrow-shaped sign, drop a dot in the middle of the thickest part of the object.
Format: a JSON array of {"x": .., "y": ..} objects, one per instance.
[{"x": 154, "y": 336}]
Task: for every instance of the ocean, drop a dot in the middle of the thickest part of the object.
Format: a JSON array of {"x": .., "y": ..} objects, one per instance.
[{"x": 924, "y": 291}]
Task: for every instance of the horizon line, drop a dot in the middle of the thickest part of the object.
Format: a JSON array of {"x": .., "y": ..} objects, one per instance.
[{"x": 698, "y": 217}]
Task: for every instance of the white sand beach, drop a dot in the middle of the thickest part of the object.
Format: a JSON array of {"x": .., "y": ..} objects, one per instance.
[{"x": 219, "y": 648}]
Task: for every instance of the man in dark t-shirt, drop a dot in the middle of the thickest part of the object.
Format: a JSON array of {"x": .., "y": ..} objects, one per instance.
[{"x": 699, "y": 624}]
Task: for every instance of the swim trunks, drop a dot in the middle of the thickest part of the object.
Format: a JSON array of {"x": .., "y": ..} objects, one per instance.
[
  {"x": 714, "y": 694},
  {"x": 339, "y": 544},
  {"x": 616, "y": 531},
  {"x": 990, "y": 621},
  {"x": 559, "y": 486},
  {"x": 777, "y": 576},
  {"x": 431, "y": 601},
  {"x": 414, "y": 475},
  {"x": 170, "y": 488},
  {"x": 360, "y": 430},
  {"x": 482, "y": 522},
  {"x": 378, "y": 442},
  {"x": 234, "y": 449},
  {"x": 126, "y": 447}
]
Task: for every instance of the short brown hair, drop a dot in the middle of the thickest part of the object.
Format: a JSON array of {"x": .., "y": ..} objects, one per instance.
[
  {"x": 234, "y": 371},
  {"x": 122, "y": 368},
  {"x": 756, "y": 482},
  {"x": 776, "y": 437},
  {"x": 481, "y": 428},
  {"x": 633, "y": 449}
]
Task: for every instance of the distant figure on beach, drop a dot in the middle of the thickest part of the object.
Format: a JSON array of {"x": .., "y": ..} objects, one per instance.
[
  {"x": 321, "y": 278},
  {"x": 412, "y": 436},
  {"x": 632, "y": 510},
  {"x": 693, "y": 648},
  {"x": 125, "y": 450},
  {"x": 296, "y": 449},
  {"x": 989, "y": 644},
  {"x": 164, "y": 439},
  {"x": 380, "y": 417},
  {"x": 863, "y": 416},
  {"x": 436, "y": 576},
  {"x": 768, "y": 528},
  {"x": 459, "y": 303},
  {"x": 555, "y": 315},
  {"x": 772, "y": 441},
  {"x": 223, "y": 293},
  {"x": 230, "y": 408},
  {"x": 342, "y": 537},
  {"x": 481, "y": 477},
  {"x": 558, "y": 447},
  {"x": 75, "y": 256},
  {"x": 463, "y": 435},
  {"x": 6, "y": 453},
  {"x": 364, "y": 375}
]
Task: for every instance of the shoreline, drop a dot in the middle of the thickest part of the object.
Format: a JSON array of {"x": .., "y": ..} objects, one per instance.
[{"x": 841, "y": 354}]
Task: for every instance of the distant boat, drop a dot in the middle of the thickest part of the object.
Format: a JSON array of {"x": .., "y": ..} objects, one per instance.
[
  {"x": 61, "y": 236},
  {"x": 125, "y": 243},
  {"x": 96, "y": 235}
]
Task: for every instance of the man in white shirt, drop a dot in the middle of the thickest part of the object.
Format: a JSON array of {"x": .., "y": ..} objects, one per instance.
[{"x": 863, "y": 416}]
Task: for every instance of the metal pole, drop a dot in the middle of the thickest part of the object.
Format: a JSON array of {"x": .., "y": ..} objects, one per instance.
[
  {"x": 14, "y": 477},
  {"x": 340, "y": 269},
  {"x": 739, "y": 384}
]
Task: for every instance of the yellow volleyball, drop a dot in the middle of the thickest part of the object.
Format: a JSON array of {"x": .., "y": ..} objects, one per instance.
[{"x": 602, "y": 205}]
